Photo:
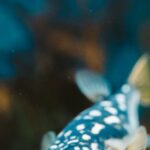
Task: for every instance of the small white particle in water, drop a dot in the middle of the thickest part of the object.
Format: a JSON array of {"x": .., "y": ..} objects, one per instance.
[
  {"x": 68, "y": 133},
  {"x": 95, "y": 113},
  {"x": 86, "y": 137},
  {"x": 97, "y": 128},
  {"x": 111, "y": 110},
  {"x": 80, "y": 127},
  {"x": 112, "y": 119},
  {"x": 94, "y": 146}
]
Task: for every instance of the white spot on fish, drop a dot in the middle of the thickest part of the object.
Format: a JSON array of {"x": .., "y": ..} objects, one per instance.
[
  {"x": 95, "y": 113},
  {"x": 86, "y": 137},
  {"x": 57, "y": 142},
  {"x": 66, "y": 140},
  {"x": 111, "y": 110},
  {"x": 61, "y": 145},
  {"x": 80, "y": 127},
  {"x": 53, "y": 147},
  {"x": 106, "y": 104},
  {"x": 76, "y": 148},
  {"x": 94, "y": 146},
  {"x": 87, "y": 117},
  {"x": 112, "y": 119},
  {"x": 81, "y": 131},
  {"x": 81, "y": 143},
  {"x": 66, "y": 146},
  {"x": 85, "y": 148},
  {"x": 97, "y": 128},
  {"x": 73, "y": 137},
  {"x": 68, "y": 133},
  {"x": 121, "y": 99},
  {"x": 73, "y": 141}
]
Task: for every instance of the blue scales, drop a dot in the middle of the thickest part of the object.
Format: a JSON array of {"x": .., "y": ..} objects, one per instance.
[{"x": 110, "y": 124}]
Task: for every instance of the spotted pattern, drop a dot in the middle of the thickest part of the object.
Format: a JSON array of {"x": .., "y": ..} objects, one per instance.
[{"x": 104, "y": 120}]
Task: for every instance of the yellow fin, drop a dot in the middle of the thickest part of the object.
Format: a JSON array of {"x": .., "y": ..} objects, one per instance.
[{"x": 140, "y": 78}]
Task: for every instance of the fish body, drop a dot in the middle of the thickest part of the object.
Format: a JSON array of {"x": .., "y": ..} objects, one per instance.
[{"x": 110, "y": 124}]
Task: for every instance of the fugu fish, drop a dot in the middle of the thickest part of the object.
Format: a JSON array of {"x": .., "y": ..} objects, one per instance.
[{"x": 110, "y": 124}]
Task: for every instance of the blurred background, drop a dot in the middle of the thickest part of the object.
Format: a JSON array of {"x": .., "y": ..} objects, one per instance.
[{"x": 42, "y": 44}]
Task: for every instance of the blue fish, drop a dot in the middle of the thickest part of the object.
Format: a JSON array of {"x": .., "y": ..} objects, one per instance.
[{"x": 110, "y": 124}]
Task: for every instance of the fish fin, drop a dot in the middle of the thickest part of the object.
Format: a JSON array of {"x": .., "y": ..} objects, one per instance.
[
  {"x": 138, "y": 69},
  {"x": 140, "y": 78},
  {"x": 92, "y": 85},
  {"x": 138, "y": 140},
  {"x": 47, "y": 140}
]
